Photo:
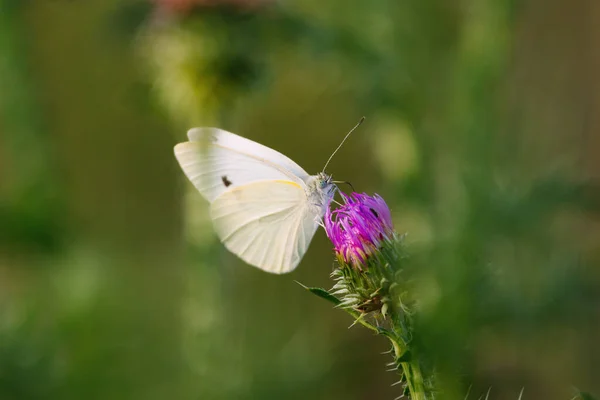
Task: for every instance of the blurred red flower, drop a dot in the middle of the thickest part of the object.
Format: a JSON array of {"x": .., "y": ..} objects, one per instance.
[{"x": 183, "y": 6}]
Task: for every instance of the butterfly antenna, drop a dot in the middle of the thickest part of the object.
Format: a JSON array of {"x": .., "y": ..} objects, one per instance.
[{"x": 346, "y": 137}]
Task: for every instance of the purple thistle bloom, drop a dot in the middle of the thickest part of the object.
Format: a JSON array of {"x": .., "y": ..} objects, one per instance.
[{"x": 359, "y": 227}]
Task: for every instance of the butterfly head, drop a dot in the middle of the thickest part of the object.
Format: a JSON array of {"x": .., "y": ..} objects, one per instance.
[
  {"x": 321, "y": 190},
  {"x": 323, "y": 181}
]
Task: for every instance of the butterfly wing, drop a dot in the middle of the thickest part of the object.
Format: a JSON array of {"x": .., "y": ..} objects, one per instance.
[
  {"x": 215, "y": 160},
  {"x": 268, "y": 224}
]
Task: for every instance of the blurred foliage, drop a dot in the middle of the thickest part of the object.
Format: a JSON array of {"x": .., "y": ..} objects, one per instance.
[
  {"x": 30, "y": 193},
  {"x": 480, "y": 135}
]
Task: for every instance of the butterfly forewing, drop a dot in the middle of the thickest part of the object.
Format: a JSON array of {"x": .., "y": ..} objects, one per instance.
[
  {"x": 215, "y": 160},
  {"x": 266, "y": 223},
  {"x": 248, "y": 147}
]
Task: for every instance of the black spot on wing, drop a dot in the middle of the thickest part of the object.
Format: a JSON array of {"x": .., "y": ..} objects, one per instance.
[{"x": 226, "y": 181}]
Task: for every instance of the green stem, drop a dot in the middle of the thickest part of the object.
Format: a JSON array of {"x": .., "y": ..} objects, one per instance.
[
  {"x": 414, "y": 379},
  {"x": 406, "y": 356},
  {"x": 411, "y": 370}
]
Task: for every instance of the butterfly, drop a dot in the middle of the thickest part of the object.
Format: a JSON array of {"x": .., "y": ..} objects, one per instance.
[{"x": 264, "y": 207}]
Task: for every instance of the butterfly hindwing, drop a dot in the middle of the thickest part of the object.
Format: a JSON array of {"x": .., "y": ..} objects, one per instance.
[{"x": 266, "y": 223}]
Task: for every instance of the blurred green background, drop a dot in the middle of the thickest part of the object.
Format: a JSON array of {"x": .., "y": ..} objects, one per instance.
[{"x": 481, "y": 134}]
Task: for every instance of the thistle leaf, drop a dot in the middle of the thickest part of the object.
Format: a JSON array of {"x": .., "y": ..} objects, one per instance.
[{"x": 322, "y": 293}]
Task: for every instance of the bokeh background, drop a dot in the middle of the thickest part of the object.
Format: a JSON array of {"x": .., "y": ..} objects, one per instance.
[{"x": 481, "y": 133}]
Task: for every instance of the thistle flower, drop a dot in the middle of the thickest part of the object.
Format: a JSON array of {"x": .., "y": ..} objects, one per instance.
[
  {"x": 366, "y": 246},
  {"x": 369, "y": 285},
  {"x": 359, "y": 228}
]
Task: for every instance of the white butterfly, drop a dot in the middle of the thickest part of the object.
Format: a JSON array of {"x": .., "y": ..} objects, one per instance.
[{"x": 265, "y": 208}]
